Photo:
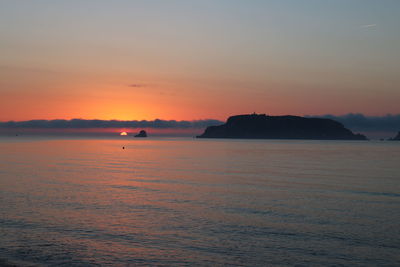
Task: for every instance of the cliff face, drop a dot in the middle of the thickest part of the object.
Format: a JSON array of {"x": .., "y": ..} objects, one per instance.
[{"x": 256, "y": 126}]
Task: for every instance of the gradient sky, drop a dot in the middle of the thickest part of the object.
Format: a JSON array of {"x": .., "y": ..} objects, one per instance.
[{"x": 126, "y": 59}]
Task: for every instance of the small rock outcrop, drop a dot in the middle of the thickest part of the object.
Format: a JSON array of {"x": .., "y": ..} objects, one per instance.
[
  {"x": 142, "y": 133},
  {"x": 396, "y": 138},
  {"x": 261, "y": 126}
]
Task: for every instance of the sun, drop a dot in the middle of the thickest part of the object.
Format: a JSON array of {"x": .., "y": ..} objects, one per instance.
[{"x": 123, "y": 133}]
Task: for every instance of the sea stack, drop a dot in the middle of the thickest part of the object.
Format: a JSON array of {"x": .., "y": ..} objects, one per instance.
[
  {"x": 261, "y": 126},
  {"x": 142, "y": 133},
  {"x": 396, "y": 138}
]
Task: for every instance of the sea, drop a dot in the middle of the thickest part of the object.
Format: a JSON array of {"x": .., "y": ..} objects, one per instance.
[{"x": 123, "y": 201}]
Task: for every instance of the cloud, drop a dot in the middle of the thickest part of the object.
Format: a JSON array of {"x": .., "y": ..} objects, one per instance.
[
  {"x": 362, "y": 123},
  {"x": 136, "y": 85},
  {"x": 82, "y": 124},
  {"x": 355, "y": 122},
  {"x": 368, "y": 26}
]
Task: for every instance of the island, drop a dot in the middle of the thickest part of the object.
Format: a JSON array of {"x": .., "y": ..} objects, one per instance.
[
  {"x": 261, "y": 126},
  {"x": 142, "y": 133},
  {"x": 396, "y": 138}
]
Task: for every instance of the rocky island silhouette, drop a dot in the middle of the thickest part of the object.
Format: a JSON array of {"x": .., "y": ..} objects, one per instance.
[
  {"x": 261, "y": 126},
  {"x": 142, "y": 133},
  {"x": 396, "y": 138}
]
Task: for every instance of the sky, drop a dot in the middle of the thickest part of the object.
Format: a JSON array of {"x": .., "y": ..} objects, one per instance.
[{"x": 193, "y": 60}]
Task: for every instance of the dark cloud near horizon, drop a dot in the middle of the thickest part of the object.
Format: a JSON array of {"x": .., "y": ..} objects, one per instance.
[
  {"x": 136, "y": 85},
  {"x": 82, "y": 124},
  {"x": 362, "y": 123},
  {"x": 355, "y": 122}
]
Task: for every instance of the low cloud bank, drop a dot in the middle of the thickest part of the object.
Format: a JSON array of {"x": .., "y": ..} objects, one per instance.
[
  {"x": 82, "y": 124},
  {"x": 362, "y": 123},
  {"x": 355, "y": 122}
]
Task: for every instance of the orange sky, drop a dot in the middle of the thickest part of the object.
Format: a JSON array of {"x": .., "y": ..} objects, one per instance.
[{"x": 197, "y": 60}]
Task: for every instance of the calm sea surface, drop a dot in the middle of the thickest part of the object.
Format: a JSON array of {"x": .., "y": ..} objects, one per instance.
[{"x": 174, "y": 202}]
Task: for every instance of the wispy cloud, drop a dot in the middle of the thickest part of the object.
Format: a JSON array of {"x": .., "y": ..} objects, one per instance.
[
  {"x": 369, "y": 26},
  {"x": 136, "y": 85}
]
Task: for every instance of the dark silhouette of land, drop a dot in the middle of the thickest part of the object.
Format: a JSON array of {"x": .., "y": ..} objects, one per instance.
[
  {"x": 396, "y": 138},
  {"x": 142, "y": 133},
  {"x": 261, "y": 126}
]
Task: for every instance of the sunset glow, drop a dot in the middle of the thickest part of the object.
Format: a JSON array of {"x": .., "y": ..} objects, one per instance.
[
  {"x": 199, "y": 133},
  {"x": 129, "y": 60}
]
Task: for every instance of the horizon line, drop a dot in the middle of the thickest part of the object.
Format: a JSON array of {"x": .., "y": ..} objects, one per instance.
[
  {"x": 354, "y": 121},
  {"x": 198, "y": 120}
]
